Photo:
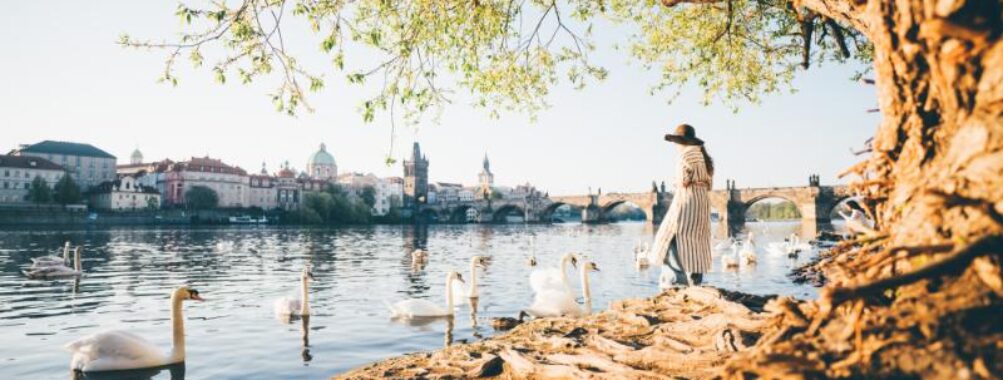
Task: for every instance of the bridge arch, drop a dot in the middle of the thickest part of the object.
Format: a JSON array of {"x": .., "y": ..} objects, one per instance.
[
  {"x": 607, "y": 209},
  {"x": 503, "y": 212},
  {"x": 747, "y": 204}
]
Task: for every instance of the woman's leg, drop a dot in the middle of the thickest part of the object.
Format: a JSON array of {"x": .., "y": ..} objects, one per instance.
[{"x": 672, "y": 261}]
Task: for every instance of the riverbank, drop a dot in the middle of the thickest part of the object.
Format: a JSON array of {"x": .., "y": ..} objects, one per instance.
[{"x": 682, "y": 332}]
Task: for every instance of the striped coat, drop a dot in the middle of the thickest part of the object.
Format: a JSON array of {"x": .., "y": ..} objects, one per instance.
[{"x": 688, "y": 218}]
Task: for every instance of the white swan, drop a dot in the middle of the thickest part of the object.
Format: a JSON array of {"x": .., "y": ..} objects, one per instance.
[
  {"x": 119, "y": 350},
  {"x": 419, "y": 256},
  {"x": 417, "y": 308},
  {"x": 729, "y": 261},
  {"x": 553, "y": 278},
  {"x": 748, "y": 254},
  {"x": 556, "y": 302},
  {"x": 858, "y": 223},
  {"x": 643, "y": 257},
  {"x": 289, "y": 306},
  {"x": 51, "y": 260},
  {"x": 462, "y": 294},
  {"x": 59, "y": 270}
]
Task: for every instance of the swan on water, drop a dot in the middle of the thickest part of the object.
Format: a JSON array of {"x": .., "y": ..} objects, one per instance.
[
  {"x": 729, "y": 261},
  {"x": 59, "y": 270},
  {"x": 417, "y": 308},
  {"x": 419, "y": 256},
  {"x": 532, "y": 252},
  {"x": 553, "y": 278},
  {"x": 45, "y": 261},
  {"x": 748, "y": 254},
  {"x": 120, "y": 350},
  {"x": 553, "y": 302},
  {"x": 643, "y": 257},
  {"x": 462, "y": 294},
  {"x": 291, "y": 306}
]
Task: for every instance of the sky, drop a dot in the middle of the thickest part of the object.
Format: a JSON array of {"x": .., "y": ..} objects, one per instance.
[{"x": 62, "y": 77}]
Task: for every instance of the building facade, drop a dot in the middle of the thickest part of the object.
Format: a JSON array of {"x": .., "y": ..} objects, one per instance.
[
  {"x": 288, "y": 192},
  {"x": 261, "y": 190},
  {"x": 321, "y": 165},
  {"x": 124, "y": 194},
  {"x": 229, "y": 182},
  {"x": 485, "y": 180},
  {"x": 18, "y": 172},
  {"x": 415, "y": 179},
  {"x": 86, "y": 164}
]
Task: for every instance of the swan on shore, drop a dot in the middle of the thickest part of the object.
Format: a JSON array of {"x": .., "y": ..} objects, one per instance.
[
  {"x": 462, "y": 294},
  {"x": 417, "y": 308},
  {"x": 561, "y": 302},
  {"x": 553, "y": 278},
  {"x": 290, "y": 306},
  {"x": 45, "y": 261},
  {"x": 120, "y": 350},
  {"x": 59, "y": 270}
]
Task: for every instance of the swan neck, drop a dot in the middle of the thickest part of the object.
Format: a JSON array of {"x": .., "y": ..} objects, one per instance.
[
  {"x": 473, "y": 278},
  {"x": 178, "y": 329},
  {"x": 76, "y": 259},
  {"x": 449, "y": 295},
  {"x": 586, "y": 292},
  {"x": 305, "y": 290},
  {"x": 564, "y": 270},
  {"x": 66, "y": 252}
]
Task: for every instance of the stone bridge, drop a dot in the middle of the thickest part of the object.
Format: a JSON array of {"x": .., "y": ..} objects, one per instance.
[{"x": 814, "y": 203}]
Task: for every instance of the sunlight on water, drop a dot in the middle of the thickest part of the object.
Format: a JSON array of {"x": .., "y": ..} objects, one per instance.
[{"x": 129, "y": 274}]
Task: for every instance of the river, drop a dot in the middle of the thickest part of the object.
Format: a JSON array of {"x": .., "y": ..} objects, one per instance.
[{"x": 130, "y": 272}]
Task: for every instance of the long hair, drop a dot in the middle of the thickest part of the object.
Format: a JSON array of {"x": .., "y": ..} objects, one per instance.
[{"x": 709, "y": 162}]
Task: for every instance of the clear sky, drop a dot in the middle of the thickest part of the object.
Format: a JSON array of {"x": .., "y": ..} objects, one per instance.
[{"x": 63, "y": 78}]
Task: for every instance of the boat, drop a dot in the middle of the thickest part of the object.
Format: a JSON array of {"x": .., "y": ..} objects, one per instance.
[{"x": 247, "y": 219}]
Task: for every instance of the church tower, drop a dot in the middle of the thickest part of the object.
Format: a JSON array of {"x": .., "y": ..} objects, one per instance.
[
  {"x": 415, "y": 179},
  {"x": 486, "y": 179}
]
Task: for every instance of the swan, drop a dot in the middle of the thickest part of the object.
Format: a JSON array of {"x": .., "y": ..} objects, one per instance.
[
  {"x": 461, "y": 294},
  {"x": 419, "y": 256},
  {"x": 45, "y": 261},
  {"x": 748, "y": 254},
  {"x": 642, "y": 256},
  {"x": 59, "y": 270},
  {"x": 532, "y": 252},
  {"x": 553, "y": 278},
  {"x": 287, "y": 306},
  {"x": 557, "y": 302},
  {"x": 120, "y": 350},
  {"x": 416, "y": 308},
  {"x": 724, "y": 245},
  {"x": 532, "y": 261},
  {"x": 857, "y": 222},
  {"x": 729, "y": 261}
]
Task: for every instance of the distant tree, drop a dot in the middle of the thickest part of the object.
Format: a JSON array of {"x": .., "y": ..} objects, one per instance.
[
  {"x": 201, "y": 198},
  {"x": 66, "y": 191},
  {"x": 40, "y": 191},
  {"x": 152, "y": 204},
  {"x": 369, "y": 196}
]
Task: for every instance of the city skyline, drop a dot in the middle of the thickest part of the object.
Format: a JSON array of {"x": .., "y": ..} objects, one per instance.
[{"x": 81, "y": 86}]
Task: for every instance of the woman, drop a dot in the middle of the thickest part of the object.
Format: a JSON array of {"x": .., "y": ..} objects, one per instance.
[{"x": 684, "y": 236}]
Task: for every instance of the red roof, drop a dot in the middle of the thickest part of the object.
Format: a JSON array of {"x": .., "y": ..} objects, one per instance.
[{"x": 208, "y": 165}]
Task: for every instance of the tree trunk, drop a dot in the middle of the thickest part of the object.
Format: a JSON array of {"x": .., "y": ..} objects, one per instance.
[{"x": 905, "y": 306}]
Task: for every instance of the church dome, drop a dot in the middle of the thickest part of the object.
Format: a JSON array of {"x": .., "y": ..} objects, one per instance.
[
  {"x": 137, "y": 157},
  {"x": 322, "y": 157}
]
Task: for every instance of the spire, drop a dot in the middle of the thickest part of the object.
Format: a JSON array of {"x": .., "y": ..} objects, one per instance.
[
  {"x": 416, "y": 152},
  {"x": 264, "y": 170},
  {"x": 487, "y": 165},
  {"x": 323, "y": 147}
]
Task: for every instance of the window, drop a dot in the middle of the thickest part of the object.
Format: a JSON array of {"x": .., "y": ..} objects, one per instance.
[{"x": 6, "y": 173}]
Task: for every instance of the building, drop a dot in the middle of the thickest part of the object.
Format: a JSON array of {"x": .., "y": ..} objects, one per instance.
[
  {"x": 87, "y": 165},
  {"x": 389, "y": 195},
  {"x": 18, "y": 172},
  {"x": 151, "y": 174},
  {"x": 124, "y": 194},
  {"x": 485, "y": 180},
  {"x": 287, "y": 189},
  {"x": 321, "y": 165},
  {"x": 262, "y": 191},
  {"x": 415, "y": 179},
  {"x": 229, "y": 182},
  {"x": 136, "y": 158},
  {"x": 447, "y": 192},
  {"x": 467, "y": 194}
]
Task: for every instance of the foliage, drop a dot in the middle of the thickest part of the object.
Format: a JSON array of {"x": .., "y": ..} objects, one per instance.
[
  {"x": 506, "y": 54},
  {"x": 773, "y": 211},
  {"x": 201, "y": 198},
  {"x": 368, "y": 196},
  {"x": 332, "y": 206},
  {"x": 152, "y": 203},
  {"x": 40, "y": 191},
  {"x": 66, "y": 191}
]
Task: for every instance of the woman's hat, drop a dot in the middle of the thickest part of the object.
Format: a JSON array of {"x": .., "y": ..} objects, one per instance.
[{"x": 685, "y": 135}]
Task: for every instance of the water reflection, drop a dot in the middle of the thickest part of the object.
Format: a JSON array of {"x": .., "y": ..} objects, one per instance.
[
  {"x": 174, "y": 371},
  {"x": 128, "y": 273}
]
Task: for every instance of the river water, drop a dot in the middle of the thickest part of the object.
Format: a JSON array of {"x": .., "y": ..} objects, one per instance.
[{"x": 130, "y": 272}]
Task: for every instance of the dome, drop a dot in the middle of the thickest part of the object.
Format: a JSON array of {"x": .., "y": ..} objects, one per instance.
[
  {"x": 322, "y": 157},
  {"x": 137, "y": 157}
]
